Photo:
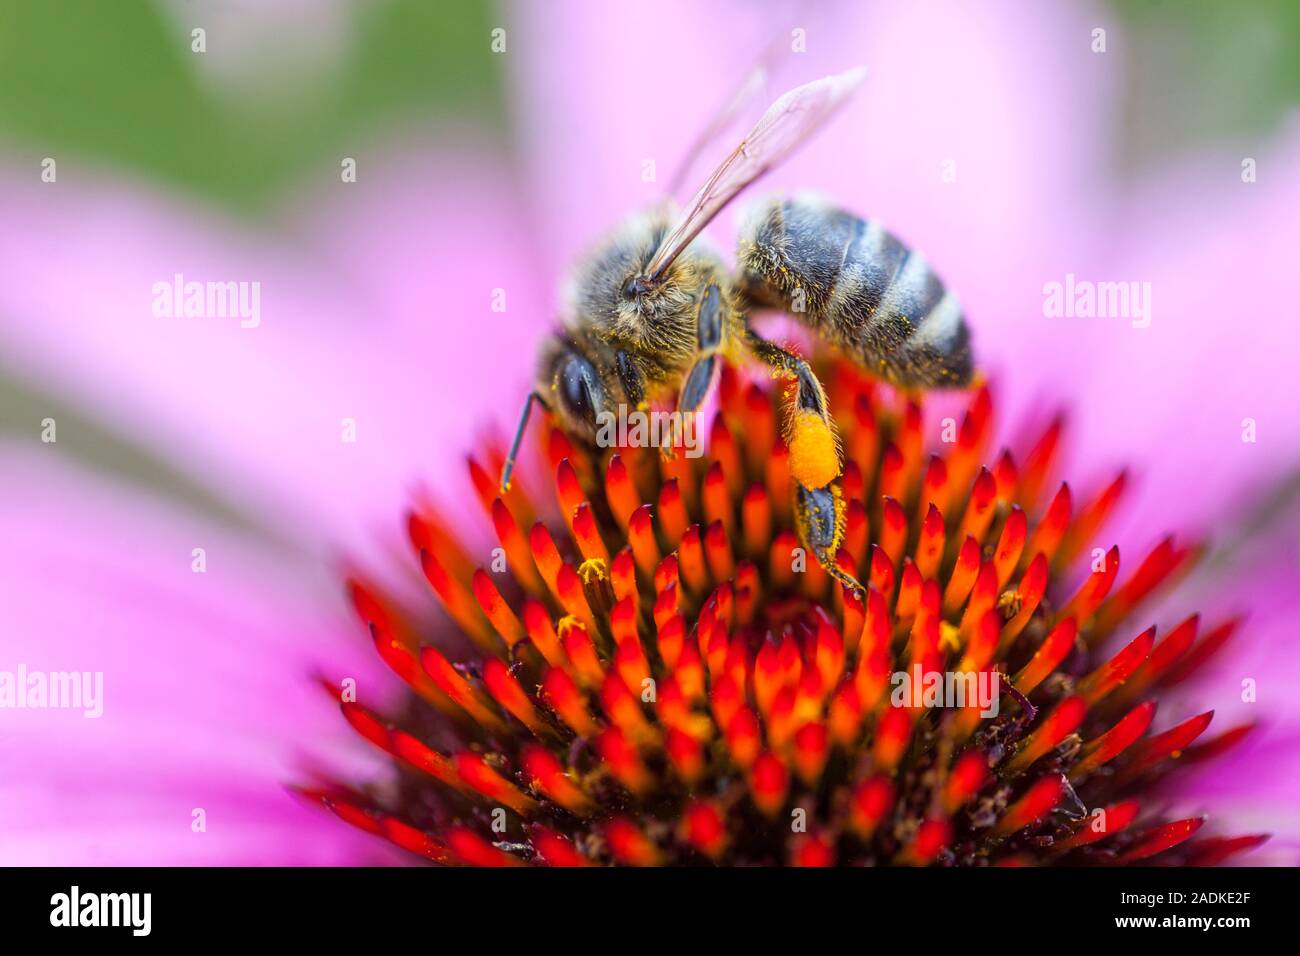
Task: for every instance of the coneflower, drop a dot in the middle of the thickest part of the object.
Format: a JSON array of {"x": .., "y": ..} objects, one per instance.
[{"x": 662, "y": 676}]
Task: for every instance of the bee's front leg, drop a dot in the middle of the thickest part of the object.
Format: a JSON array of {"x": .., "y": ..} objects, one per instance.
[
  {"x": 630, "y": 377},
  {"x": 709, "y": 325}
]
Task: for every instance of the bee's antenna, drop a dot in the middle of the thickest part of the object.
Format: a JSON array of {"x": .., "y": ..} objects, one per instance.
[{"x": 508, "y": 469}]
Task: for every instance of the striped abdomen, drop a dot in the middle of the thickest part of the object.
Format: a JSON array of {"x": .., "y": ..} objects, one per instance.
[{"x": 860, "y": 288}]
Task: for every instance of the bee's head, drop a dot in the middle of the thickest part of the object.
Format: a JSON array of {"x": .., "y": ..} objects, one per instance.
[
  {"x": 612, "y": 292},
  {"x": 577, "y": 393}
]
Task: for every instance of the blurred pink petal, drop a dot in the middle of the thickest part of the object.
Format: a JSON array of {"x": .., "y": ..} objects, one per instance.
[
  {"x": 386, "y": 321},
  {"x": 1220, "y": 348},
  {"x": 205, "y": 702}
]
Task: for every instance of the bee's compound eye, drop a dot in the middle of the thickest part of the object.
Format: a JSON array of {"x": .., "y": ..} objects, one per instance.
[{"x": 579, "y": 389}]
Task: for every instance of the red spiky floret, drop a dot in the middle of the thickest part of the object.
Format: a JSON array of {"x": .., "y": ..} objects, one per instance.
[{"x": 656, "y": 674}]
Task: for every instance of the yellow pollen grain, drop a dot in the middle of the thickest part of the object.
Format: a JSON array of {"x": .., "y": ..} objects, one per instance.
[
  {"x": 949, "y": 636},
  {"x": 592, "y": 568}
]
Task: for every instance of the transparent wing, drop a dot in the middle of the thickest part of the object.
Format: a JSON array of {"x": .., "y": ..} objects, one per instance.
[
  {"x": 787, "y": 123},
  {"x": 748, "y": 92}
]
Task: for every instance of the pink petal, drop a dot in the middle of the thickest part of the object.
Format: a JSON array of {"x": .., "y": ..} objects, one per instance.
[
  {"x": 1174, "y": 397},
  {"x": 207, "y": 700},
  {"x": 381, "y": 314}
]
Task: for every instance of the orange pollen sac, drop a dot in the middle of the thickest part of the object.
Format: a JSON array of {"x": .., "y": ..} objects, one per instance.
[
  {"x": 814, "y": 459},
  {"x": 931, "y": 837},
  {"x": 969, "y": 774},
  {"x": 769, "y": 783},
  {"x": 662, "y": 660},
  {"x": 705, "y": 828},
  {"x": 872, "y": 801}
]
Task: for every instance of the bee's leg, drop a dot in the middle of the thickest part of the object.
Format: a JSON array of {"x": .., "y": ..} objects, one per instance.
[
  {"x": 819, "y": 520},
  {"x": 814, "y": 455},
  {"x": 814, "y": 458},
  {"x": 709, "y": 329},
  {"x": 630, "y": 378},
  {"x": 709, "y": 325},
  {"x": 633, "y": 382},
  {"x": 508, "y": 469}
]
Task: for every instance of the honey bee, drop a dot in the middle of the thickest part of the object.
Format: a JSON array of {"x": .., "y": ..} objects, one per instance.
[{"x": 653, "y": 312}]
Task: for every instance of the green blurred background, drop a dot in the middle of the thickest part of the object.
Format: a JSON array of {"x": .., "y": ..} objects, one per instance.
[{"x": 114, "y": 82}]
